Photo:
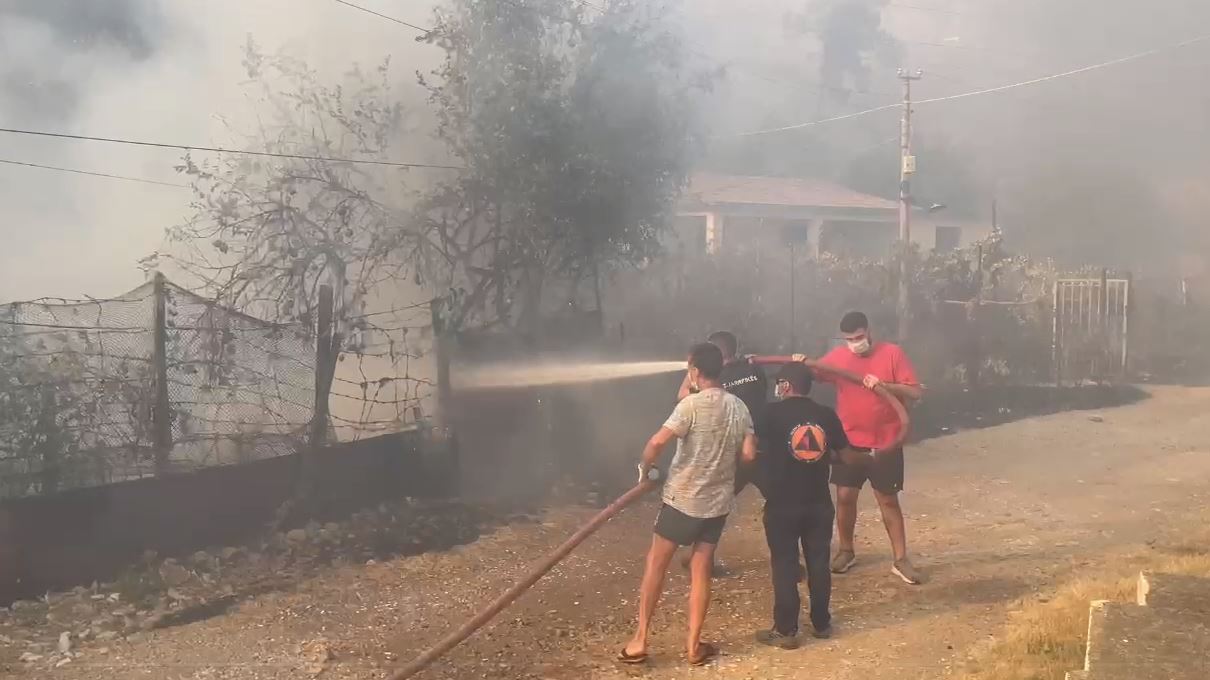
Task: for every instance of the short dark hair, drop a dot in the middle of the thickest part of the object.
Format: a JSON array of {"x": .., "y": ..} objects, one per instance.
[
  {"x": 707, "y": 358},
  {"x": 798, "y": 375},
  {"x": 726, "y": 341},
  {"x": 853, "y": 322}
]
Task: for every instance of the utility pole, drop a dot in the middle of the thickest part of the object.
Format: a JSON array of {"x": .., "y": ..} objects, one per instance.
[{"x": 907, "y": 166}]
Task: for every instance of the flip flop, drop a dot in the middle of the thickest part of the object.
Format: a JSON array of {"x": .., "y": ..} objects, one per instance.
[
  {"x": 705, "y": 653},
  {"x": 625, "y": 657}
]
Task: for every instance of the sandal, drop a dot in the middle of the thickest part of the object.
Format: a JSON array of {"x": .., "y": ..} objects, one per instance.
[
  {"x": 705, "y": 653},
  {"x": 626, "y": 657}
]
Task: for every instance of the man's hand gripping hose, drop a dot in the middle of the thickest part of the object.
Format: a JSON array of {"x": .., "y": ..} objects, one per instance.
[{"x": 905, "y": 422}]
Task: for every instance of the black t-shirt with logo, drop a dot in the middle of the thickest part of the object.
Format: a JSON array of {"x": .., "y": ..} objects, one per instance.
[
  {"x": 802, "y": 438},
  {"x": 748, "y": 383}
]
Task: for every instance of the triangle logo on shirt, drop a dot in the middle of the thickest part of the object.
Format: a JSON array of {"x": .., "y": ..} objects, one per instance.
[{"x": 808, "y": 443}]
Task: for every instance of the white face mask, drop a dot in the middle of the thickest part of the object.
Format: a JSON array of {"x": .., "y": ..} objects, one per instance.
[{"x": 860, "y": 346}]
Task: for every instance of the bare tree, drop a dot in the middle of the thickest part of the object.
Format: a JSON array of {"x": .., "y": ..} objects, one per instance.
[{"x": 267, "y": 232}]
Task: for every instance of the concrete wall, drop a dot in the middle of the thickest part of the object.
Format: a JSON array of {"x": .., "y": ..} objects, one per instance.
[{"x": 76, "y": 537}]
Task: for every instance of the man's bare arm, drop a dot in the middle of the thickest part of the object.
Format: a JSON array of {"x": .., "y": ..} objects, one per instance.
[
  {"x": 686, "y": 388},
  {"x": 747, "y": 453},
  {"x": 655, "y": 446},
  {"x": 905, "y": 392}
]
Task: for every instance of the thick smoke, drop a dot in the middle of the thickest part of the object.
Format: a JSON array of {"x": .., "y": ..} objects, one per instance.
[
  {"x": 853, "y": 43},
  {"x": 49, "y": 49},
  {"x": 1105, "y": 167}
]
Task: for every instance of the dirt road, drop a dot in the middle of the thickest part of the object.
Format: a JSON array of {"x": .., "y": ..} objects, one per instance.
[{"x": 994, "y": 515}]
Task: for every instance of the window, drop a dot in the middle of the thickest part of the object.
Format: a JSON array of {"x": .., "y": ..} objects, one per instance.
[{"x": 948, "y": 238}]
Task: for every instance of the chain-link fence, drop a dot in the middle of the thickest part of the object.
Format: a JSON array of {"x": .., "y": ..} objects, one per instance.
[
  {"x": 161, "y": 380},
  {"x": 239, "y": 389},
  {"x": 385, "y": 374},
  {"x": 76, "y": 379}
]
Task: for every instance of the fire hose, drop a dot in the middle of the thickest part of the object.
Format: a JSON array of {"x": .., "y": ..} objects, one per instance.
[
  {"x": 905, "y": 423},
  {"x": 540, "y": 569}
]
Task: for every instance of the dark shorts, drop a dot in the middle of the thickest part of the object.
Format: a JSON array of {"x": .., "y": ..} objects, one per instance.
[
  {"x": 885, "y": 473},
  {"x": 682, "y": 529}
]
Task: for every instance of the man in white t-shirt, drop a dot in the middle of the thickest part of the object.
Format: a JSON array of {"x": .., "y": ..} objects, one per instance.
[{"x": 714, "y": 432}]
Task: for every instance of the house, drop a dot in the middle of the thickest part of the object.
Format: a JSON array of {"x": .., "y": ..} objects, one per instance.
[{"x": 722, "y": 212}]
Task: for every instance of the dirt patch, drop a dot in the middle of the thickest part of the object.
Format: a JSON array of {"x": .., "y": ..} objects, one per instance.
[
  {"x": 161, "y": 594},
  {"x": 1046, "y": 638}
]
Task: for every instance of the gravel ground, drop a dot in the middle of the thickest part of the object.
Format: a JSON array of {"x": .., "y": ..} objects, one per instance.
[{"x": 995, "y": 515}]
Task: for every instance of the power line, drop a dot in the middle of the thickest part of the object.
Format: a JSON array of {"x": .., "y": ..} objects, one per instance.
[
  {"x": 401, "y": 22},
  {"x": 93, "y": 174},
  {"x": 213, "y": 149},
  {"x": 1083, "y": 69},
  {"x": 1000, "y": 88}
]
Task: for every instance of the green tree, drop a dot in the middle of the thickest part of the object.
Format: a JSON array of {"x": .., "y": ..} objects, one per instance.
[{"x": 575, "y": 134}]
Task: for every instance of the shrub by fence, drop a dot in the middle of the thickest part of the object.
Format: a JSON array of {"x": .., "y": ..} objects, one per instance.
[
  {"x": 979, "y": 315},
  {"x": 161, "y": 380}
]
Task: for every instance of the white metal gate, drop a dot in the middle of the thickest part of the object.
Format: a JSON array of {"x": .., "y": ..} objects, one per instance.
[{"x": 1091, "y": 329}]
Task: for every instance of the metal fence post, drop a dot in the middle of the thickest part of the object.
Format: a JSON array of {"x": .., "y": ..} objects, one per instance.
[
  {"x": 324, "y": 371},
  {"x": 443, "y": 440},
  {"x": 323, "y": 368},
  {"x": 975, "y": 360},
  {"x": 161, "y": 412},
  {"x": 1056, "y": 358}
]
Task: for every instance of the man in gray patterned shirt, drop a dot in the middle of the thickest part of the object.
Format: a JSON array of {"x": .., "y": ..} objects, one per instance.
[{"x": 714, "y": 432}]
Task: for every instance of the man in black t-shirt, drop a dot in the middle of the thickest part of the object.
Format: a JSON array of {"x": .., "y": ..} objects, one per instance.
[
  {"x": 739, "y": 376},
  {"x": 802, "y": 438},
  {"x": 743, "y": 380}
]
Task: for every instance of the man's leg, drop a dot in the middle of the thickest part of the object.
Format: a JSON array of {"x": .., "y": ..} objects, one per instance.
[
  {"x": 658, "y": 558},
  {"x": 700, "y": 573},
  {"x": 817, "y": 548},
  {"x": 782, "y": 534},
  {"x": 848, "y": 480},
  {"x": 886, "y": 478},
  {"x": 892, "y": 519},
  {"x": 846, "y": 526}
]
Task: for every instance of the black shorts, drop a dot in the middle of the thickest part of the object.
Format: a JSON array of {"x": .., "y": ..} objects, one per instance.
[
  {"x": 682, "y": 529},
  {"x": 885, "y": 473}
]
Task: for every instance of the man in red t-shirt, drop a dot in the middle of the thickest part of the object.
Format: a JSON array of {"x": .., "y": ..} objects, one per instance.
[{"x": 870, "y": 425}]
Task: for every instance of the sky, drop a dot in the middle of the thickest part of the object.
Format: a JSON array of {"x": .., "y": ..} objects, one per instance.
[{"x": 170, "y": 70}]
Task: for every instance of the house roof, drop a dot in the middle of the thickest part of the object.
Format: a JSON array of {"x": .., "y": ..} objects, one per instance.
[{"x": 711, "y": 189}]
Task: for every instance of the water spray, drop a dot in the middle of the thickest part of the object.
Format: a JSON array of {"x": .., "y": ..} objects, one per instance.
[
  {"x": 512, "y": 374},
  {"x": 567, "y": 374}
]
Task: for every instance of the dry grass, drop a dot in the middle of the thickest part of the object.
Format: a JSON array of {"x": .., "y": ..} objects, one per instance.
[{"x": 1046, "y": 638}]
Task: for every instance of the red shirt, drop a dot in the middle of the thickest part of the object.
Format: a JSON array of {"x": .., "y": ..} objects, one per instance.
[{"x": 868, "y": 420}]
